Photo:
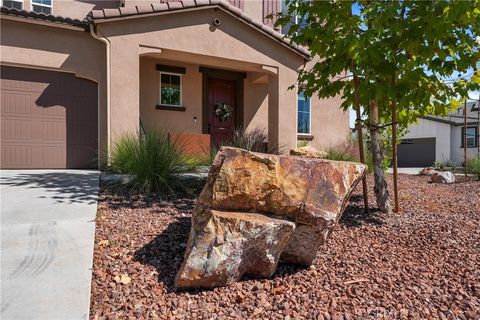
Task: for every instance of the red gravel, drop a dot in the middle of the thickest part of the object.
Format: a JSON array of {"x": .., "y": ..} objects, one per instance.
[{"x": 421, "y": 264}]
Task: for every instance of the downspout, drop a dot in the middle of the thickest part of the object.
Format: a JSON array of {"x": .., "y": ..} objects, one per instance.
[{"x": 104, "y": 39}]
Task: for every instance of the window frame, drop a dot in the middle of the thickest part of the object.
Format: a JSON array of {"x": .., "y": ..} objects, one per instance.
[
  {"x": 160, "y": 89},
  {"x": 18, "y": 1},
  {"x": 309, "y": 133},
  {"x": 296, "y": 20},
  {"x": 41, "y": 5},
  {"x": 475, "y": 137}
]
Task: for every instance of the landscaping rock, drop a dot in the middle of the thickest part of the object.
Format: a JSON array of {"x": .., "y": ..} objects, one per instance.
[
  {"x": 307, "y": 151},
  {"x": 428, "y": 171},
  {"x": 311, "y": 192},
  {"x": 443, "y": 177},
  {"x": 224, "y": 246}
]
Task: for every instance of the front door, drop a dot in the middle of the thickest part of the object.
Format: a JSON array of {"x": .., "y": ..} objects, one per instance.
[{"x": 221, "y": 109}]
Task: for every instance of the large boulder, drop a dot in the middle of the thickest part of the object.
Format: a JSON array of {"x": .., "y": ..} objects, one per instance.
[
  {"x": 224, "y": 246},
  {"x": 311, "y": 193},
  {"x": 443, "y": 177}
]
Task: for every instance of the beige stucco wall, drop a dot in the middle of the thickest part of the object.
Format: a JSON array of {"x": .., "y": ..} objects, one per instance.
[
  {"x": 177, "y": 121},
  {"x": 189, "y": 36},
  {"x": 330, "y": 124},
  {"x": 254, "y": 9},
  {"x": 48, "y": 47}
]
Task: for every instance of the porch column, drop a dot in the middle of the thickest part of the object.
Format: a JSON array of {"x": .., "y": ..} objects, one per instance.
[
  {"x": 273, "y": 125},
  {"x": 282, "y": 111},
  {"x": 125, "y": 85}
]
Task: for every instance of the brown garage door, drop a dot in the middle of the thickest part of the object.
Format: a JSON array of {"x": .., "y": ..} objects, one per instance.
[{"x": 49, "y": 119}]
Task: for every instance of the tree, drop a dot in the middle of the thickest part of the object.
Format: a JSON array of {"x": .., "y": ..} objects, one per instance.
[{"x": 415, "y": 56}]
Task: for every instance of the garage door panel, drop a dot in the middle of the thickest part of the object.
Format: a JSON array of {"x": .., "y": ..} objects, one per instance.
[
  {"x": 49, "y": 119},
  {"x": 418, "y": 152}
]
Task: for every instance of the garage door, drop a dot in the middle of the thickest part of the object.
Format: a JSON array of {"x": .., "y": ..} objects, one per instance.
[
  {"x": 416, "y": 152},
  {"x": 49, "y": 120}
]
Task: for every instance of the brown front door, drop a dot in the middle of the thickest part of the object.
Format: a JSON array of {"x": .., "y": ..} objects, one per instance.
[
  {"x": 224, "y": 92},
  {"x": 49, "y": 120}
]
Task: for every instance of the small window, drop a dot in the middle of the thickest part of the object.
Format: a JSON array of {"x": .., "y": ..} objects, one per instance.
[
  {"x": 13, "y": 4},
  {"x": 303, "y": 114},
  {"x": 170, "y": 89},
  {"x": 472, "y": 137},
  {"x": 42, "y": 6}
]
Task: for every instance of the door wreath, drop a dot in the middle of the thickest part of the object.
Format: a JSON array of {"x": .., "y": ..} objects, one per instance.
[{"x": 223, "y": 111}]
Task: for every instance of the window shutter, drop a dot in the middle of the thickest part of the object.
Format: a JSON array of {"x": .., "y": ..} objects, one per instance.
[
  {"x": 270, "y": 7},
  {"x": 237, "y": 3}
]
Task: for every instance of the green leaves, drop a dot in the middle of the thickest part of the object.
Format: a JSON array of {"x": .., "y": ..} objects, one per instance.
[{"x": 423, "y": 45}]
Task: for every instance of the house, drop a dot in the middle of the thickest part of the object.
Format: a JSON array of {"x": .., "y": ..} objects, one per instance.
[
  {"x": 77, "y": 74},
  {"x": 441, "y": 138}
]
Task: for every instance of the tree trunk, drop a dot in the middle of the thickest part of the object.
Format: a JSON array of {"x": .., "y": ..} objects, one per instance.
[{"x": 380, "y": 188}]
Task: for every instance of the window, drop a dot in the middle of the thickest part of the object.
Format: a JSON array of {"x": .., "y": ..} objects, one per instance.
[
  {"x": 170, "y": 89},
  {"x": 472, "y": 137},
  {"x": 13, "y": 4},
  {"x": 303, "y": 114},
  {"x": 42, "y": 6},
  {"x": 295, "y": 20}
]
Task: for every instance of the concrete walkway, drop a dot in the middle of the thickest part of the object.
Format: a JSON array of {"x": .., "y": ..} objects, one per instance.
[
  {"x": 413, "y": 171},
  {"x": 48, "y": 229}
]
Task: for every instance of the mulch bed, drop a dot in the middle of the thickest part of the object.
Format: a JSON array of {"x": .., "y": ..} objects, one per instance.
[{"x": 423, "y": 263}]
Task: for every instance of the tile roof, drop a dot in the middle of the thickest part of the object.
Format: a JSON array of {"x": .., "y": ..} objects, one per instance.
[
  {"x": 173, "y": 6},
  {"x": 44, "y": 17}
]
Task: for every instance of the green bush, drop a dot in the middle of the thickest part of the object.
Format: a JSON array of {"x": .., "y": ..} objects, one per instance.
[
  {"x": 195, "y": 162},
  {"x": 152, "y": 160},
  {"x": 344, "y": 152},
  {"x": 473, "y": 167}
]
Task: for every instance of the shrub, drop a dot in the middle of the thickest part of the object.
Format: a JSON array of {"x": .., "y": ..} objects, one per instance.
[
  {"x": 345, "y": 152},
  {"x": 251, "y": 140},
  {"x": 152, "y": 160},
  {"x": 195, "y": 162},
  {"x": 302, "y": 143},
  {"x": 473, "y": 167}
]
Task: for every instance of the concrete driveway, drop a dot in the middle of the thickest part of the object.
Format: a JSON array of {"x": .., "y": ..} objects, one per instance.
[{"x": 48, "y": 229}]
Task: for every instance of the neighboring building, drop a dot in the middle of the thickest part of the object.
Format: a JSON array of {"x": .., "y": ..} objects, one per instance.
[
  {"x": 441, "y": 139},
  {"x": 76, "y": 74}
]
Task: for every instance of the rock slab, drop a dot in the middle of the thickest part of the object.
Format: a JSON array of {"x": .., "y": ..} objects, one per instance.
[
  {"x": 307, "y": 151},
  {"x": 443, "y": 177},
  {"x": 310, "y": 193},
  {"x": 225, "y": 246}
]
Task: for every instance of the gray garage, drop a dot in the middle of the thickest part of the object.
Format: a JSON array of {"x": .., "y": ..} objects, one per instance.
[{"x": 418, "y": 152}]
